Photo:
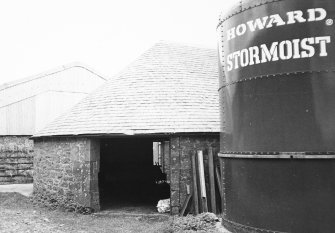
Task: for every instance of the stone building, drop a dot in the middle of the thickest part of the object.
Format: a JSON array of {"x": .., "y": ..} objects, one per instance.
[
  {"x": 101, "y": 151},
  {"x": 27, "y": 105}
]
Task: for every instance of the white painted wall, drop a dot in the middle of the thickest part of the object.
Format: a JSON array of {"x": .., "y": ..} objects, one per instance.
[
  {"x": 52, "y": 104},
  {"x": 28, "y": 106},
  {"x": 18, "y": 118}
]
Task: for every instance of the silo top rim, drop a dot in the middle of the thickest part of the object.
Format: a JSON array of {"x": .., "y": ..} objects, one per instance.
[{"x": 242, "y": 6}]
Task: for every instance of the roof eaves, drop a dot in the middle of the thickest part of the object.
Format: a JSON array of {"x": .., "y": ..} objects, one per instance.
[{"x": 123, "y": 134}]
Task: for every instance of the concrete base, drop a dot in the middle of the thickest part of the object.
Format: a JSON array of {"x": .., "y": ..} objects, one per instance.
[{"x": 24, "y": 189}]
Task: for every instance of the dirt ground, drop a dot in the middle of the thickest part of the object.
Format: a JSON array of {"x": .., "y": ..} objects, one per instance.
[{"x": 17, "y": 214}]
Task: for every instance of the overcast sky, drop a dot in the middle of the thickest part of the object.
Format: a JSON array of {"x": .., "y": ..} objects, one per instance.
[{"x": 38, "y": 35}]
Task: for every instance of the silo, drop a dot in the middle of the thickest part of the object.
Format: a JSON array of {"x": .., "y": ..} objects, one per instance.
[{"x": 277, "y": 98}]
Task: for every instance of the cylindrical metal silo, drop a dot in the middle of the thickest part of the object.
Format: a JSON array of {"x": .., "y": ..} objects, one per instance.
[{"x": 277, "y": 98}]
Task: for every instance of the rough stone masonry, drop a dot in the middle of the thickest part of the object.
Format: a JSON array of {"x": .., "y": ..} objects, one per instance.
[
  {"x": 16, "y": 159},
  {"x": 66, "y": 173},
  {"x": 66, "y": 169},
  {"x": 182, "y": 148}
]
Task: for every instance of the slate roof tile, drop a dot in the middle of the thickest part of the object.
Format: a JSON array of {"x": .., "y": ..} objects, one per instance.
[{"x": 171, "y": 88}]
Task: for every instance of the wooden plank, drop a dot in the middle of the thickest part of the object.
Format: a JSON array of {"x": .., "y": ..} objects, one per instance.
[
  {"x": 202, "y": 181},
  {"x": 211, "y": 180},
  {"x": 201, "y": 173},
  {"x": 201, "y": 209},
  {"x": 161, "y": 152},
  {"x": 195, "y": 186},
  {"x": 218, "y": 181},
  {"x": 188, "y": 189},
  {"x": 185, "y": 204},
  {"x": 204, "y": 204}
]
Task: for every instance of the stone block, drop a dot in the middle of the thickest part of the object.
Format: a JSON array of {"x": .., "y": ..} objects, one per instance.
[
  {"x": 86, "y": 169},
  {"x": 4, "y": 160},
  {"x": 86, "y": 184},
  {"x": 74, "y": 185},
  {"x": 94, "y": 185},
  {"x": 65, "y": 159},
  {"x": 94, "y": 150},
  {"x": 185, "y": 164},
  {"x": 69, "y": 179},
  {"x": 27, "y": 173},
  {"x": 77, "y": 168},
  {"x": 174, "y": 198},
  {"x": 175, "y": 161},
  {"x": 22, "y": 179},
  {"x": 174, "y": 179},
  {"x": 175, "y": 210},
  {"x": 8, "y": 173},
  {"x": 84, "y": 199},
  {"x": 64, "y": 184},
  {"x": 24, "y": 166},
  {"x": 174, "y": 143},
  {"x": 94, "y": 169},
  {"x": 25, "y": 160},
  {"x": 8, "y": 166},
  {"x": 95, "y": 201},
  {"x": 6, "y": 179},
  {"x": 84, "y": 150}
]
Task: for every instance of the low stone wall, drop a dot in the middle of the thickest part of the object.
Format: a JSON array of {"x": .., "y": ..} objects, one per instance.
[
  {"x": 66, "y": 173},
  {"x": 16, "y": 159},
  {"x": 182, "y": 148}
]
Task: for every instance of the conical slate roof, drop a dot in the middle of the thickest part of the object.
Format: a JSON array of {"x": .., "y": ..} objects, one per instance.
[{"x": 171, "y": 88}]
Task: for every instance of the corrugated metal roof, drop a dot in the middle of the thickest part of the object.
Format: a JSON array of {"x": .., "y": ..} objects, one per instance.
[
  {"x": 26, "y": 105},
  {"x": 171, "y": 88},
  {"x": 69, "y": 78},
  {"x": 50, "y": 72}
]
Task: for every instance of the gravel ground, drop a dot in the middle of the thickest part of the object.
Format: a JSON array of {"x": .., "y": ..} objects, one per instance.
[{"x": 18, "y": 215}]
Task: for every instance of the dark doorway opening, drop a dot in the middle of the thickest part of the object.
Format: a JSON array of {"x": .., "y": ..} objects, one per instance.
[{"x": 129, "y": 178}]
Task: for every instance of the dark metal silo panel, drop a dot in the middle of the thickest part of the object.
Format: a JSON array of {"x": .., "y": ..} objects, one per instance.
[{"x": 277, "y": 98}]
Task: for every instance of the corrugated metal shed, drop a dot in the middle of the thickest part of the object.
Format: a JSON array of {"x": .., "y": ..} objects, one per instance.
[
  {"x": 28, "y": 104},
  {"x": 169, "y": 89}
]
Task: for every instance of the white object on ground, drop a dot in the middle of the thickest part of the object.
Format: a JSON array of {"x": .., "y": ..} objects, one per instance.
[
  {"x": 24, "y": 189},
  {"x": 163, "y": 206}
]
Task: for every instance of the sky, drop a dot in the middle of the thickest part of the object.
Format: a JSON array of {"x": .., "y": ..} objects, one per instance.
[{"x": 107, "y": 35}]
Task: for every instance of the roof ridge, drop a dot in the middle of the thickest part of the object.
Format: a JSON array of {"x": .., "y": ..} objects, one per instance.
[
  {"x": 154, "y": 46},
  {"x": 39, "y": 93},
  {"x": 50, "y": 72}
]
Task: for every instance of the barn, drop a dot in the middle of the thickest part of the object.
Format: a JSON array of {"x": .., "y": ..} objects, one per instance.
[
  {"x": 130, "y": 141},
  {"x": 27, "y": 105}
]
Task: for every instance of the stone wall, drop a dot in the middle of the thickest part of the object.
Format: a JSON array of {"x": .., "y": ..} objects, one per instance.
[
  {"x": 66, "y": 173},
  {"x": 166, "y": 158},
  {"x": 16, "y": 159},
  {"x": 181, "y": 150},
  {"x": 66, "y": 169}
]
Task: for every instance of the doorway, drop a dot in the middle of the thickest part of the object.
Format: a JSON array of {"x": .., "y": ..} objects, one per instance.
[{"x": 129, "y": 177}]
